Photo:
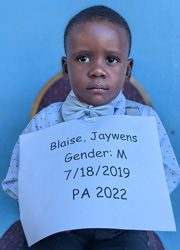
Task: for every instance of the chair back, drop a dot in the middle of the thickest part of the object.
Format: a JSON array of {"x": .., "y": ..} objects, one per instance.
[{"x": 57, "y": 88}]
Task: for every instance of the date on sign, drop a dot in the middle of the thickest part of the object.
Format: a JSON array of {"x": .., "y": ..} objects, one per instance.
[{"x": 101, "y": 192}]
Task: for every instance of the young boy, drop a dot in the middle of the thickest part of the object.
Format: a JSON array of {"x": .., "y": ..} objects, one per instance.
[{"x": 97, "y": 44}]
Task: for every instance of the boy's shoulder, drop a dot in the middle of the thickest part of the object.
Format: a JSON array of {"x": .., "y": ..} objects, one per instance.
[
  {"x": 46, "y": 117},
  {"x": 50, "y": 112},
  {"x": 55, "y": 106},
  {"x": 143, "y": 109}
]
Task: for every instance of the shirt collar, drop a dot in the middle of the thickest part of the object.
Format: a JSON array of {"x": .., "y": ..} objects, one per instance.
[{"x": 119, "y": 101}]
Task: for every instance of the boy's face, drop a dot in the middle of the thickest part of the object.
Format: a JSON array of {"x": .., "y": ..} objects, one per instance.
[{"x": 97, "y": 62}]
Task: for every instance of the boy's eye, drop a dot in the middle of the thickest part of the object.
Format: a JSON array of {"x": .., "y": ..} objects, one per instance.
[
  {"x": 83, "y": 59},
  {"x": 112, "y": 59}
]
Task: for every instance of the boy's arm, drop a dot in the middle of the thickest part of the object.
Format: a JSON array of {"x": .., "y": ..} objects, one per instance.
[
  {"x": 45, "y": 118},
  {"x": 10, "y": 183},
  {"x": 171, "y": 167}
]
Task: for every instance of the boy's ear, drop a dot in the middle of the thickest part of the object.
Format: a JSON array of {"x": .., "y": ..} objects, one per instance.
[
  {"x": 64, "y": 66},
  {"x": 129, "y": 69}
]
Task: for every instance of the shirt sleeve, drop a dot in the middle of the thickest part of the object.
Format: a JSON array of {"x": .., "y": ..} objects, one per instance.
[
  {"x": 171, "y": 167},
  {"x": 45, "y": 118}
]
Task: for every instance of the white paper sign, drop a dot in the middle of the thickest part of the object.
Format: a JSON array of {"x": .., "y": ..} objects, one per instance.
[{"x": 103, "y": 172}]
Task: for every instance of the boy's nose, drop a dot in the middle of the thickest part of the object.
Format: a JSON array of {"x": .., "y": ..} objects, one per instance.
[{"x": 97, "y": 71}]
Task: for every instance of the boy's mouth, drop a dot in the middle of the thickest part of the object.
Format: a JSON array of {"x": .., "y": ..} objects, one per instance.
[{"x": 97, "y": 87}]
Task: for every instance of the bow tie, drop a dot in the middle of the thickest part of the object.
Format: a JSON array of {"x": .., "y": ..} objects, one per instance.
[{"x": 73, "y": 109}]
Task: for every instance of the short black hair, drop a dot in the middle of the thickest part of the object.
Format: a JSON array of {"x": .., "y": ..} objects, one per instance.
[{"x": 98, "y": 13}]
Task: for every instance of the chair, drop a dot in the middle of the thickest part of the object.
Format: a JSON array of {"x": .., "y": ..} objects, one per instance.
[
  {"x": 14, "y": 238},
  {"x": 55, "y": 90},
  {"x": 58, "y": 88}
]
